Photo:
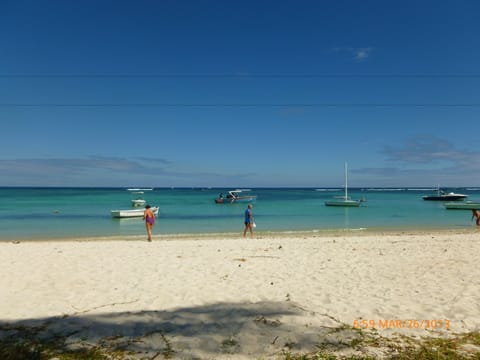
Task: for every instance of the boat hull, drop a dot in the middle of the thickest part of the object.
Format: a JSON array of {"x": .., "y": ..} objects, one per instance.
[
  {"x": 131, "y": 213},
  {"x": 444, "y": 197},
  {"x": 469, "y": 205},
  {"x": 344, "y": 203}
]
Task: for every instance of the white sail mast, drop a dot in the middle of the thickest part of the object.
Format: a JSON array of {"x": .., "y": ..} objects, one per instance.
[{"x": 346, "y": 181}]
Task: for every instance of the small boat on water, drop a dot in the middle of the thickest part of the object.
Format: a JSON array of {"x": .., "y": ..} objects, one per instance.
[
  {"x": 234, "y": 196},
  {"x": 129, "y": 213},
  {"x": 441, "y": 195},
  {"x": 462, "y": 205},
  {"x": 344, "y": 200},
  {"x": 138, "y": 202}
]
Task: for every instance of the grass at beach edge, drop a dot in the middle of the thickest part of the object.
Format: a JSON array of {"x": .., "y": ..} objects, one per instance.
[
  {"x": 370, "y": 345},
  {"x": 26, "y": 344}
]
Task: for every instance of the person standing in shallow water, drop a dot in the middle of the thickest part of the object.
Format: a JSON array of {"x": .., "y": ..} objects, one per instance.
[
  {"x": 149, "y": 218},
  {"x": 248, "y": 221},
  {"x": 476, "y": 214}
]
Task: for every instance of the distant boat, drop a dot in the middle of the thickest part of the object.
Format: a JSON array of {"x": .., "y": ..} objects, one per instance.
[
  {"x": 138, "y": 202},
  {"x": 462, "y": 205},
  {"x": 344, "y": 200},
  {"x": 140, "y": 189},
  {"x": 131, "y": 212},
  {"x": 441, "y": 195},
  {"x": 234, "y": 196}
]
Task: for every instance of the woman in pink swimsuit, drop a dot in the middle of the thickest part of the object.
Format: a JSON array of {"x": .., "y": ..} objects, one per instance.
[
  {"x": 476, "y": 214},
  {"x": 149, "y": 218}
]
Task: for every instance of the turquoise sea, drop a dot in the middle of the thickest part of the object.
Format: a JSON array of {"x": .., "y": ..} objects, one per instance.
[{"x": 55, "y": 213}]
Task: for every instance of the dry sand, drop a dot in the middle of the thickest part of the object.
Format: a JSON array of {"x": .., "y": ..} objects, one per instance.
[{"x": 230, "y": 297}]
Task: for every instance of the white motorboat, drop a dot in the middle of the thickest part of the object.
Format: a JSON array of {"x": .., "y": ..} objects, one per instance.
[
  {"x": 138, "y": 202},
  {"x": 234, "y": 196},
  {"x": 129, "y": 213}
]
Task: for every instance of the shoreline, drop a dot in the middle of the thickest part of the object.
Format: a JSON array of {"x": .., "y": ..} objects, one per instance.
[{"x": 258, "y": 234}]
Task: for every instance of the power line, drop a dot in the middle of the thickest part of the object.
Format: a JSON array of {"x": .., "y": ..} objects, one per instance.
[
  {"x": 236, "y": 76},
  {"x": 240, "y": 105}
]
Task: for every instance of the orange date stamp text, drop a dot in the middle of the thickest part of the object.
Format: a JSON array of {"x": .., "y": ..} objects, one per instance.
[{"x": 427, "y": 324}]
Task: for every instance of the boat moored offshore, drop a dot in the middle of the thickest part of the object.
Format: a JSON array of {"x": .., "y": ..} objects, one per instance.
[
  {"x": 131, "y": 213},
  {"x": 234, "y": 196},
  {"x": 462, "y": 205},
  {"x": 441, "y": 195}
]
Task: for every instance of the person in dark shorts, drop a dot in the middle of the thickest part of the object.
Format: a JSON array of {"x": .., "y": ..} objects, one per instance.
[{"x": 248, "y": 221}]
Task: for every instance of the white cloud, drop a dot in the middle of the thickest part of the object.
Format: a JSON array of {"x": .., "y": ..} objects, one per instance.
[
  {"x": 362, "y": 53},
  {"x": 425, "y": 149},
  {"x": 103, "y": 171},
  {"x": 358, "y": 54}
]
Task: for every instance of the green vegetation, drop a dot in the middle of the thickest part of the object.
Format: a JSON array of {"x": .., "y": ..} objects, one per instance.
[
  {"x": 35, "y": 343},
  {"x": 456, "y": 347}
]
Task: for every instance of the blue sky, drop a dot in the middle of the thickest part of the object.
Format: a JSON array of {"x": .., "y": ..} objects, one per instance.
[{"x": 239, "y": 93}]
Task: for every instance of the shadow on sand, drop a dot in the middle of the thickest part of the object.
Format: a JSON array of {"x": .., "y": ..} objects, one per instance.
[{"x": 224, "y": 330}]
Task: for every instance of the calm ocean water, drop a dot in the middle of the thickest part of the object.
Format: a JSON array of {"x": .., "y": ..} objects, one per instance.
[{"x": 49, "y": 213}]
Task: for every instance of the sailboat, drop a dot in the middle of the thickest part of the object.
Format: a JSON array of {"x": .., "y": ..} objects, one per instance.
[{"x": 344, "y": 200}]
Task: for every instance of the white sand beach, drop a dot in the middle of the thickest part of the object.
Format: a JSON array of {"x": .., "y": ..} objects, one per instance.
[{"x": 230, "y": 297}]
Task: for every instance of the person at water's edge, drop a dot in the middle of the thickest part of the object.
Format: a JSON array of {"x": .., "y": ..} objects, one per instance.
[
  {"x": 248, "y": 221},
  {"x": 149, "y": 218}
]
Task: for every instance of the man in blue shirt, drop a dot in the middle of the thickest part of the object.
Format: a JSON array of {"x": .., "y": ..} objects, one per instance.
[{"x": 248, "y": 221}]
